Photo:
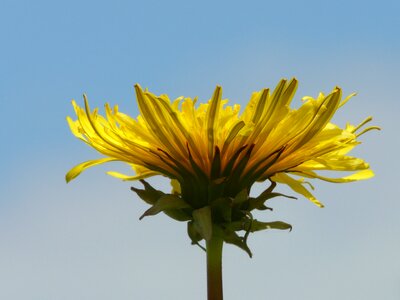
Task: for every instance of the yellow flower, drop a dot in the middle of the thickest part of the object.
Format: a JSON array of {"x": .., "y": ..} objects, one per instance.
[{"x": 213, "y": 154}]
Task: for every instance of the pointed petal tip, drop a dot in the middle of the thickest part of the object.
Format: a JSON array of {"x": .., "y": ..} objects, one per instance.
[
  {"x": 74, "y": 105},
  {"x": 85, "y": 99},
  {"x": 281, "y": 82},
  {"x": 337, "y": 89},
  {"x": 294, "y": 81},
  {"x": 138, "y": 90},
  {"x": 69, "y": 177}
]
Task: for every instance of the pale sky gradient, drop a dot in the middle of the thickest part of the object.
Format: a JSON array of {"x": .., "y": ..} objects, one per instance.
[{"x": 84, "y": 240}]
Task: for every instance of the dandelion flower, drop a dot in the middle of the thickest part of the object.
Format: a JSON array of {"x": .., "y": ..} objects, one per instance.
[{"x": 213, "y": 155}]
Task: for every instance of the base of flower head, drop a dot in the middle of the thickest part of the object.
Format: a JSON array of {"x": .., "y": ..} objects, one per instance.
[{"x": 229, "y": 218}]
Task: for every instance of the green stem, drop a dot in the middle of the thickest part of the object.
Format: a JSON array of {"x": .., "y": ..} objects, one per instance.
[{"x": 214, "y": 268}]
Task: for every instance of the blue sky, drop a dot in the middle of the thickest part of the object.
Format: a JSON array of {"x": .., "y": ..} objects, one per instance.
[{"x": 84, "y": 241}]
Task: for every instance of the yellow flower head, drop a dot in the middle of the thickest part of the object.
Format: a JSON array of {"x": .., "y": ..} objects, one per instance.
[{"x": 213, "y": 154}]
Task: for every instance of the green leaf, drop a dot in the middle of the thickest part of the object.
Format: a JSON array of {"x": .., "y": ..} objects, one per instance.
[
  {"x": 166, "y": 202},
  {"x": 149, "y": 195},
  {"x": 203, "y": 222}
]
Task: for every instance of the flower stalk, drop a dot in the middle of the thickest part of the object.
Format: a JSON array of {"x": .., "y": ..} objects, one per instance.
[{"x": 214, "y": 268}]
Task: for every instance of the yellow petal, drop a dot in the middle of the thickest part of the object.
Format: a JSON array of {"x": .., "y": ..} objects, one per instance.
[
  {"x": 130, "y": 178},
  {"x": 212, "y": 119},
  {"x": 344, "y": 101},
  {"x": 361, "y": 175},
  {"x": 75, "y": 171},
  {"x": 176, "y": 187},
  {"x": 297, "y": 186}
]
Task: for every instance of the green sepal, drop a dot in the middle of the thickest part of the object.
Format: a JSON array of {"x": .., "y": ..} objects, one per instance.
[
  {"x": 193, "y": 192},
  {"x": 255, "y": 225},
  {"x": 165, "y": 202},
  {"x": 255, "y": 175},
  {"x": 216, "y": 164},
  {"x": 236, "y": 181},
  {"x": 199, "y": 172},
  {"x": 194, "y": 188},
  {"x": 238, "y": 169},
  {"x": 263, "y": 207},
  {"x": 236, "y": 226},
  {"x": 231, "y": 162},
  {"x": 215, "y": 189},
  {"x": 203, "y": 222},
  {"x": 241, "y": 197},
  {"x": 258, "y": 203},
  {"x": 219, "y": 180},
  {"x": 149, "y": 195},
  {"x": 231, "y": 237},
  {"x": 178, "y": 214},
  {"x": 193, "y": 234},
  {"x": 172, "y": 163},
  {"x": 222, "y": 209},
  {"x": 258, "y": 225}
]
